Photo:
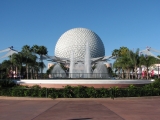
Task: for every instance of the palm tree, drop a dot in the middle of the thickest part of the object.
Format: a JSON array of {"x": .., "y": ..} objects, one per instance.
[
  {"x": 5, "y": 68},
  {"x": 147, "y": 61},
  {"x": 36, "y": 69},
  {"x": 26, "y": 51},
  {"x": 18, "y": 60},
  {"x": 40, "y": 50},
  {"x": 122, "y": 62},
  {"x": 135, "y": 59},
  {"x": 115, "y": 52},
  {"x": 33, "y": 66},
  {"x": 123, "y": 51},
  {"x": 117, "y": 67},
  {"x": 49, "y": 70}
]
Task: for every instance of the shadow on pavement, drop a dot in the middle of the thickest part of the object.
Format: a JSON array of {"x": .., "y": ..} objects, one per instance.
[{"x": 81, "y": 119}]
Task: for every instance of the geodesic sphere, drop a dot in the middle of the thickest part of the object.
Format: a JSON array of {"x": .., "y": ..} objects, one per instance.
[{"x": 75, "y": 40}]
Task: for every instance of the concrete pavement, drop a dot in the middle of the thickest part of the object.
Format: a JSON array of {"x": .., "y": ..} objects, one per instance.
[{"x": 80, "y": 109}]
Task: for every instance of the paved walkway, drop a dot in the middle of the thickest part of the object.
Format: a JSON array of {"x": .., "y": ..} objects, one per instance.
[{"x": 80, "y": 109}]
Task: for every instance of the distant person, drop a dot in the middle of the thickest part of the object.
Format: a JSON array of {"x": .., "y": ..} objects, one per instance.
[
  {"x": 139, "y": 72},
  {"x": 152, "y": 74},
  {"x": 145, "y": 74},
  {"x": 10, "y": 74}
]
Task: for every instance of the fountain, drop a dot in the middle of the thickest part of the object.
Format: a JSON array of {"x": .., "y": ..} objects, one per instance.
[
  {"x": 71, "y": 70},
  {"x": 100, "y": 71},
  {"x": 82, "y": 68},
  {"x": 80, "y": 49},
  {"x": 87, "y": 61},
  {"x": 58, "y": 72}
]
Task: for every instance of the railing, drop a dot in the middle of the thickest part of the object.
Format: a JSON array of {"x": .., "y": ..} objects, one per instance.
[
  {"x": 77, "y": 76},
  {"x": 80, "y": 75}
]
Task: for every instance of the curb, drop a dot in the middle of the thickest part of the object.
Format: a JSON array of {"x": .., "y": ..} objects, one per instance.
[
  {"x": 77, "y": 99},
  {"x": 22, "y": 98}
]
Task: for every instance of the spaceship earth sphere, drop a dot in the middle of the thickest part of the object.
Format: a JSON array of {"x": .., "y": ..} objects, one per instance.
[{"x": 75, "y": 40}]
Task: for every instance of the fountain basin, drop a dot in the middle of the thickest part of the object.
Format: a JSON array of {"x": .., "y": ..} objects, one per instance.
[{"x": 96, "y": 83}]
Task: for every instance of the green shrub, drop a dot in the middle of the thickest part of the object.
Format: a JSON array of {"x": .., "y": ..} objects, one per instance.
[
  {"x": 102, "y": 93},
  {"x": 52, "y": 93},
  {"x": 156, "y": 83},
  {"x": 8, "y": 88},
  {"x": 7, "y": 83},
  {"x": 80, "y": 92},
  {"x": 68, "y": 92}
]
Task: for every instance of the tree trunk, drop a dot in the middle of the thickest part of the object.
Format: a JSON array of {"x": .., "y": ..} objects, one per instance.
[
  {"x": 119, "y": 74},
  {"x": 20, "y": 71},
  {"x": 41, "y": 63},
  {"x": 135, "y": 72},
  {"x": 31, "y": 73},
  {"x": 128, "y": 73},
  {"x": 27, "y": 70},
  {"x": 122, "y": 74},
  {"x": 147, "y": 73}
]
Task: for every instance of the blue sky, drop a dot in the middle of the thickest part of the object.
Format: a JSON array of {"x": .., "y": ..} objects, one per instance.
[{"x": 130, "y": 23}]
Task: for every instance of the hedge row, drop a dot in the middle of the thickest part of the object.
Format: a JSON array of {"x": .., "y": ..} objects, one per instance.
[{"x": 79, "y": 91}]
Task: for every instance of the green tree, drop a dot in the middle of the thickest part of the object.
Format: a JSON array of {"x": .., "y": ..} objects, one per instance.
[
  {"x": 49, "y": 70},
  {"x": 123, "y": 51},
  {"x": 40, "y": 50},
  {"x": 5, "y": 68},
  {"x": 116, "y": 65},
  {"x": 115, "y": 52},
  {"x": 135, "y": 59},
  {"x": 147, "y": 61},
  {"x": 26, "y": 51},
  {"x": 122, "y": 62},
  {"x": 18, "y": 60}
]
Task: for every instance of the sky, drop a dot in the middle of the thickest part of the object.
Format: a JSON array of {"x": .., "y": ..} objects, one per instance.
[{"x": 129, "y": 23}]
